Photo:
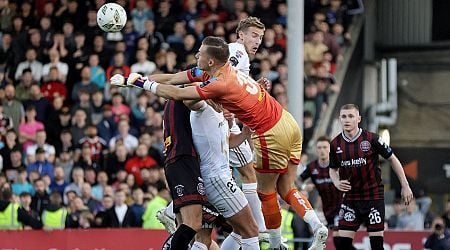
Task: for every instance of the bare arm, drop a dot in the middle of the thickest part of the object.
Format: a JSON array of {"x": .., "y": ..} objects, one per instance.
[
  {"x": 341, "y": 185},
  {"x": 175, "y": 93},
  {"x": 171, "y": 79},
  {"x": 237, "y": 139},
  {"x": 406, "y": 192}
]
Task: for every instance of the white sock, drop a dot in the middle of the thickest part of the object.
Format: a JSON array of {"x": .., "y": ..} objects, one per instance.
[
  {"x": 312, "y": 219},
  {"x": 233, "y": 241},
  {"x": 250, "y": 243},
  {"x": 250, "y": 193},
  {"x": 199, "y": 246},
  {"x": 274, "y": 237},
  {"x": 169, "y": 210}
]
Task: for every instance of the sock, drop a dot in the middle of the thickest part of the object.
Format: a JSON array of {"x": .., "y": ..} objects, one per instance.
[
  {"x": 249, "y": 190},
  {"x": 345, "y": 243},
  {"x": 298, "y": 202},
  {"x": 233, "y": 241},
  {"x": 169, "y": 210},
  {"x": 271, "y": 210},
  {"x": 376, "y": 242},
  {"x": 250, "y": 244},
  {"x": 182, "y": 237},
  {"x": 336, "y": 241},
  {"x": 274, "y": 237},
  {"x": 199, "y": 246}
]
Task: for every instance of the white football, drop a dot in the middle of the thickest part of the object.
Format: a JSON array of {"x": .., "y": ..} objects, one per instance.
[{"x": 111, "y": 17}]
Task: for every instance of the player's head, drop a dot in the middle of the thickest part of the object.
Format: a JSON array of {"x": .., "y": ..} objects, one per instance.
[
  {"x": 349, "y": 117},
  {"x": 323, "y": 148},
  {"x": 212, "y": 53},
  {"x": 250, "y": 32}
]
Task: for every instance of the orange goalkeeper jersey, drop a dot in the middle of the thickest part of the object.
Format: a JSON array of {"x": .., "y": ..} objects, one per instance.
[{"x": 239, "y": 94}]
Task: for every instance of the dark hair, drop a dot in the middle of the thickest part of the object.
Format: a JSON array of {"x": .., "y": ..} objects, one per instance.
[
  {"x": 216, "y": 48},
  {"x": 323, "y": 138},
  {"x": 248, "y": 22}
]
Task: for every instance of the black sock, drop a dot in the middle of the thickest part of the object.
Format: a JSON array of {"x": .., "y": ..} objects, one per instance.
[
  {"x": 345, "y": 243},
  {"x": 182, "y": 237},
  {"x": 376, "y": 242},
  {"x": 336, "y": 241}
]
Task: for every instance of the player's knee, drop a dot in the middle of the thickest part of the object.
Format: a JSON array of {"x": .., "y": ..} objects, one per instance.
[{"x": 376, "y": 242}]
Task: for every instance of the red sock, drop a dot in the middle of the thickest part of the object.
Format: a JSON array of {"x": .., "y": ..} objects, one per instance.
[
  {"x": 271, "y": 210},
  {"x": 298, "y": 202}
]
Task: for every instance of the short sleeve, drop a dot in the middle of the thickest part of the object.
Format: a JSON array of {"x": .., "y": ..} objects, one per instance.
[
  {"x": 381, "y": 147},
  {"x": 333, "y": 159},
  {"x": 211, "y": 89},
  {"x": 306, "y": 173},
  {"x": 196, "y": 75}
]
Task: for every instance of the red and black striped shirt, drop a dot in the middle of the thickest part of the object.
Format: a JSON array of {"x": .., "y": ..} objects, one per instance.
[
  {"x": 331, "y": 196},
  {"x": 358, "y": 162},
  {"x": 177, "y": 131}
]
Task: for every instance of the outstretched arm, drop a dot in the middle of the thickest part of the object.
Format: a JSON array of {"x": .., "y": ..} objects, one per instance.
[
  {"x": 171, "y": 79},
  {"x": 162, "y": 90}
]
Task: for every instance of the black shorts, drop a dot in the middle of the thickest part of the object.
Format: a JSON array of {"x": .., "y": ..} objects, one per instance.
[
  {"x": 332, "y": 222},
  {"x": 354, "y": 213},
  {"x": 185, "y": 182}
]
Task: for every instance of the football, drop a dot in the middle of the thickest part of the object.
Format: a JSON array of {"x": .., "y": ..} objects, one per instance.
[{"x": 111, "y": 17}]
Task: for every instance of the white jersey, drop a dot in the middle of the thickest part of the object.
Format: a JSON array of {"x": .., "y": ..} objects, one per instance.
[
  {"x": 239, "y": 57},
  {"x": 210, "y": 134}
]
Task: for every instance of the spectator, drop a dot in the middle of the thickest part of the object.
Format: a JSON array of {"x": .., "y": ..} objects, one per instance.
[
  {"x": 55, "y": 127},
  {"x": 63, "y": 68},
  {"x": 138, "y": 205},
  {"x": 76, "y": 184},
  {"x": 6, "y": 122},
  {"x": 98, "y": 75},
  {"x": 58, "y": 183},
  {"x": 21, "y": 184},
  {"x": 107, "y": 203},
  {"x": 440, "y": 238},
  {"x": 179, "y": 32},
  {"x": 120, "y": 215},
  {"x": 40, "y": 198},
  {"x": 165, "y": 18},
  {"x": 25, "y": 202},
  {"x": 411, "y": 219},
  {"x": 141, "y": 160},
  {"x": 86, "y": 195},
  {"x": 23, "y": 88},
  {"x": 143, "y": 66},
  {"x": 30, "y": 63},
  {"x": 41, "y": 164},
  {"x": 107, "y": 126},
  {"x": 139, "y": 14},
  {"x": 118, "y": 63},
  {"x": 393, "y": 219},
  {"x": 86, "y": 220},
  {"x": 130, "y": 142},
  {"x": 27, "y": 130},
  {"x": 65, "y": 160},
  {"x": 85, "y": 161},
  {"x": 36, "y": 100},
  {"x": 102, "y": 182},
  {"x": 41, "y": 137},
  {"x": 116, "y": 161},
  {"x": 99, "y": 48},
  {"x": 12, "y": 107},
  {"x": 151, "y": 41},
  {"x": 53, "y": 86},
  {"x": 10, "y": 144},
  {"x": 79, "y": 125},
  {"x": 84, "y": 84},
  {"x": 76, "y": 208}
]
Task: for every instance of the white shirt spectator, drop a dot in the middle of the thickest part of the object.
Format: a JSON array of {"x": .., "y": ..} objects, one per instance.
[
  {"x": 35, "y": 66},
  {"x": 130, "y": 142},
  {"x": 63, "y": 68},
  {"x": 146, "y": 68},
  {"x": 31, "y": 151}
]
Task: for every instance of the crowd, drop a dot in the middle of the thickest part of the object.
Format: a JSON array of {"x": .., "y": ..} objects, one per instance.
[{"x": 72, "y": 143}]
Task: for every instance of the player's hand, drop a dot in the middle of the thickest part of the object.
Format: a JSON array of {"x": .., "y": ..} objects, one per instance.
[
  {"x": 407, "y": 195},
  {"x": 228, "y": 115},
  {"x": 343, "y": 185},
  {"x": 118, "y": 80},
  {"x": 265, "y": 83},
  {"x": 133, "y": 77}
]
